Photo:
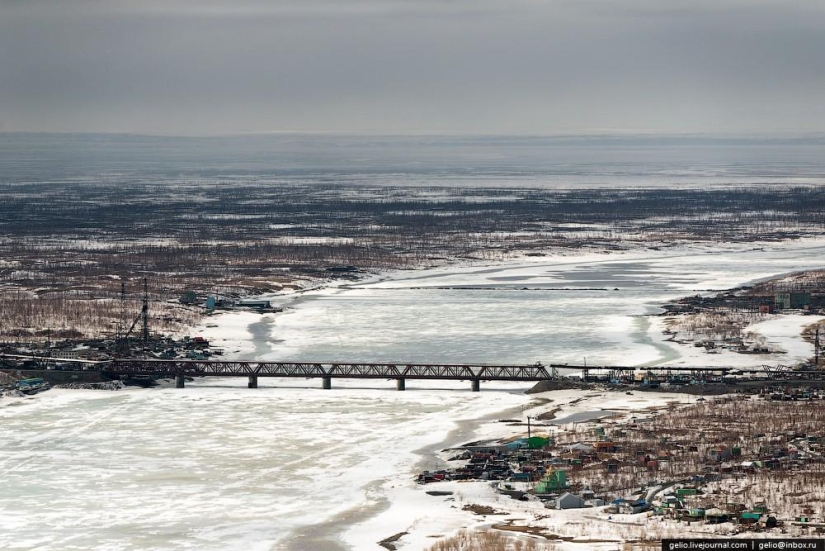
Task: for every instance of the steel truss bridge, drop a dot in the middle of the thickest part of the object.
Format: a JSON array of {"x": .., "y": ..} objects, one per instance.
[
  {"x": 475, "y": 373},
  {"x": 401, "y": 372}
]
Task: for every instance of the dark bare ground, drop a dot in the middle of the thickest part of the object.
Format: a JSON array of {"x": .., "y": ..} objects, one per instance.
[
  {"x": 508, "y": 526},
  {"x": 481, "y": 509},
  {"x": 389, "y": 542}
]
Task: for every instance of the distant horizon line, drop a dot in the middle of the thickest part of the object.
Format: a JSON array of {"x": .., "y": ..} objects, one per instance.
[{"x": 617, "y": 134}]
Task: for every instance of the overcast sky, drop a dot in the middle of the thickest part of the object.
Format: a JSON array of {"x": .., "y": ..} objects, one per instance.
[{"x": 194, "y": 67}]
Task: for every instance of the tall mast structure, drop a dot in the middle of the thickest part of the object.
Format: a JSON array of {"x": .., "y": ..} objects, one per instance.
[{"x": 145, "y": 310}]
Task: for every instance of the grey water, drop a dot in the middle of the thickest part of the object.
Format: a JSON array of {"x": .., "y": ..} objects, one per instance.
[{"x": 465, "y": 161}]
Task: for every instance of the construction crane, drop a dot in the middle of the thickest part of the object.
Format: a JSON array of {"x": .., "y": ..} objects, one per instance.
[{"x": 123, "y": 345}]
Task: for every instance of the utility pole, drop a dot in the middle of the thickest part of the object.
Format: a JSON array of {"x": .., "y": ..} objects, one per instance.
[
  {"x": 528, "y": 427},
  {"x": 121, "y": 323},
  {"x": 121, "y": 338},
  {"x": 816, "y": 348},
  {"x": 47, "y": 353},
  {"x": 145, "y": 310}
]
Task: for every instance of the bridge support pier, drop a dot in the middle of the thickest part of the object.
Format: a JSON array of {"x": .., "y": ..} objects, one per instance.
[
  {"x": 476, "y": 385},
  {"x": 401, "y": 384},
  {"x": 179, "y": 381},
  {"x": 327, "y": 383},
  {"x": 253, "y": 381}
]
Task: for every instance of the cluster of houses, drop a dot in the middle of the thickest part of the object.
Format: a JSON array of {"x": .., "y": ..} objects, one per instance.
[
  {"x": 529, "y": 470},
  {"x": 688, "y": 504},
  {"x": 521, "y": 460},
  {"x": 534, "y": 467},
  {"x": 669, "y": 472},
  {"x": 763, "y": 303}
]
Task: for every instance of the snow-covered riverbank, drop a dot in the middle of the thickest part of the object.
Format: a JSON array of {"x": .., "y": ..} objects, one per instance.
[
  {"x": 424, "y": 518},
  {"x": 781, "y": 332}
]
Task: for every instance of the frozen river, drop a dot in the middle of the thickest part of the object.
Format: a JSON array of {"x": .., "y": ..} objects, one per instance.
[
  {"x": 218, "y": 466},
  {"x": 556, "y": 310}
]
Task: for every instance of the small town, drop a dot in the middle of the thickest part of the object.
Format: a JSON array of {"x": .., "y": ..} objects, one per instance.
[{"x": 744, "y": 462}]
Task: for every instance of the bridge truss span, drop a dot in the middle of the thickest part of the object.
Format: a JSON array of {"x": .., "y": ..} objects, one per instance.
[{"x": 327, "y": 370}]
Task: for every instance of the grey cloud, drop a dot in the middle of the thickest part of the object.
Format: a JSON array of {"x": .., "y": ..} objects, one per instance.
[
  {"x": 481, "y": 66},
  {"x": 256, "y": 8}
]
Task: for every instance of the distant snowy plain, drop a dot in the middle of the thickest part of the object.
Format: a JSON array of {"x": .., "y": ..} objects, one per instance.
[{"x": 217, "y": 466}]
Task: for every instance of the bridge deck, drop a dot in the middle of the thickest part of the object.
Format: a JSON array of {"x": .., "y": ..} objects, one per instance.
[
  {"x": 362, "y": 370},
  {"x": 197, "y": 368}
]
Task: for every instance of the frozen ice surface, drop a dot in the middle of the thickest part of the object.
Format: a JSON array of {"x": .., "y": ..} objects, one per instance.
[
  {"x": 557, "y": 310},
  {"x": 216, "y": 465}
]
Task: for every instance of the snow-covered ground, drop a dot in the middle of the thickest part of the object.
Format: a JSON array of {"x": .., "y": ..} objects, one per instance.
[
  {"x": 783, "y": 333},
  {"x": 230, "y": 331},
  {"x": 424, "y": 518}
]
